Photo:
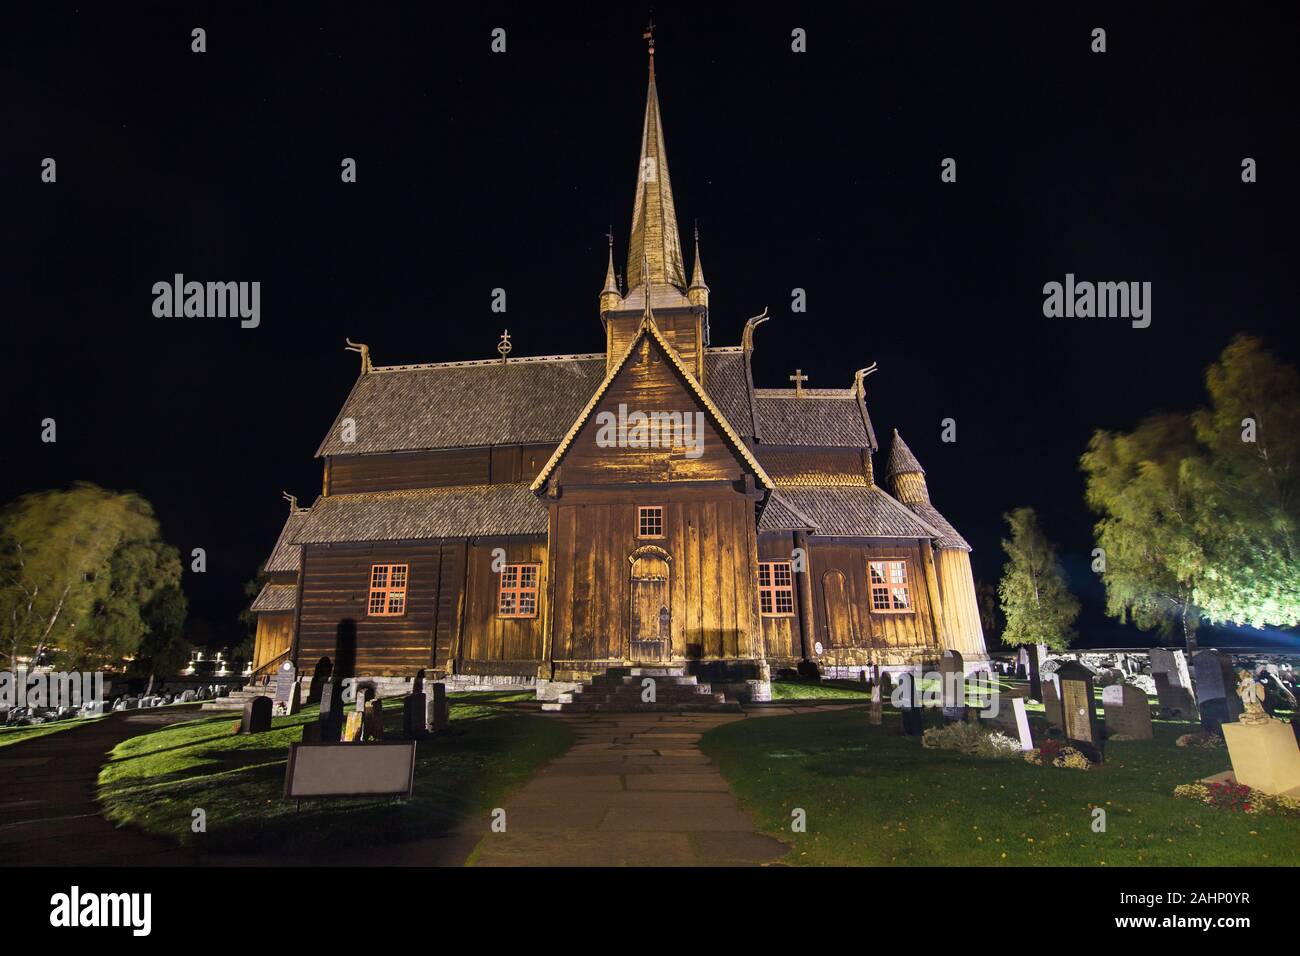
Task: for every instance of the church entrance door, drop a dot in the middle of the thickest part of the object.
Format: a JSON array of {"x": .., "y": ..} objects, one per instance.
[
  {"x": 651, "y": 614},
  {"x": 839, "y": 619}
]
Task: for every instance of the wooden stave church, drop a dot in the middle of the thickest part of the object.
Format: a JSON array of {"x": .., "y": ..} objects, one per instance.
[{"x": 774, "y": 546}]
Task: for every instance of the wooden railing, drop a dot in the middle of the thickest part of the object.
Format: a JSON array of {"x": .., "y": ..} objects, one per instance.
[{"x": 267, "y": 670}]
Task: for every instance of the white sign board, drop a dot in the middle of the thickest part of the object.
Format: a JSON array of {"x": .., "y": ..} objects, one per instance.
[{"x": 350, "y": 770}]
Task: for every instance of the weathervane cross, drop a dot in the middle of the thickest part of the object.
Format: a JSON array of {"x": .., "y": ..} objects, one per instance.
[{"x": 504, "y": 346}]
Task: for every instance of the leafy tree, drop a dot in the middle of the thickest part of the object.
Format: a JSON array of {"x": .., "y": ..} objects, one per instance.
[
  {"x": 1199, "y": 513},
  {"x": 1147, "y": 532},
  {"x": 76, "y": 566},
  {"x": 986, "y": 598},
  {"x": 163, "y": 648},
  {"x": 1036, "y": 602},
  {"x": 1246, "y": 486}
]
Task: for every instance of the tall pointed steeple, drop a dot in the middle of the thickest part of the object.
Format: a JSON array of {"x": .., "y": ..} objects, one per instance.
[{"x": 654, "y": 215}]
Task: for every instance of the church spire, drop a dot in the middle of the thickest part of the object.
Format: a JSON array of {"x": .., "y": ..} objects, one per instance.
[
  {"x": 610, "y": 297},
  {"x": 698, "y": 292},
  {"x": 654, "y": 215}
]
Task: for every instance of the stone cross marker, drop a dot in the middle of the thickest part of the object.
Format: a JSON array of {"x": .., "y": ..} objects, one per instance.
[
  {"x": 1078, "y": 710},
  {"x": 257, "y": 716},
  {"x": 1127, "y": 711},
  {"x": 1216, "y": 696}
]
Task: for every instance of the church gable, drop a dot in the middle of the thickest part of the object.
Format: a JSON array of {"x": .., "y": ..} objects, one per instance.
[{"x": 650, "y": 421}]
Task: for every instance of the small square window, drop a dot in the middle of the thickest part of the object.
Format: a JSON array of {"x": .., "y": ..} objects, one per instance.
[{"x": 650, "y": 522}]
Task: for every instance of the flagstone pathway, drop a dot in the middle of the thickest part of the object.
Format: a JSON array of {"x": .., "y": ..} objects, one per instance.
[{"x": 633, "y": 790}]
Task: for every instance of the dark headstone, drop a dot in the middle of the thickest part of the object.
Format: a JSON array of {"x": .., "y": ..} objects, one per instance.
[
  {"x": 286, "y": 688},
  {"x": 1173, "y": 683},
  {"x": 913, "y": 718},
  {"x": 886, "y": 687},
  {"x": 415, "y": 713},
  {"x": 952, "y": 676},
  {"x": 1052, "y": 705},
  {"x": 331, "y": 711},
  {"x": 1078, "y": 710},
  {"x": 1216, "y": 690},
  {"x": 437, "y": 710},
  {"x": 257, "y": 716},
  {"x": 417, "y": 685},
  {"x": 320, "y": 675},
  {"x": 1127, "y": 711},
  {"x": 373, "y": 722},
  {"x": 1034, "y": 654}
]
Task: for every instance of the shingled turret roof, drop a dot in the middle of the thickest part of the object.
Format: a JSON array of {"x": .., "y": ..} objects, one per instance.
[{"x": 901, "y": 460}]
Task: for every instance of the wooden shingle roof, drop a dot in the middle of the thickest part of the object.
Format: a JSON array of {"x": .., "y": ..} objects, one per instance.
[
  {"x": 465, "y": 404},
  {"x": 286, "y": 555},
  {"x": 948, "y": 536},
  {"x": 820, "y": 418},
  {"x": 276, "y": 597},
  {"x": 865, "y": 512},
  {"x": 459, "y": 511}
]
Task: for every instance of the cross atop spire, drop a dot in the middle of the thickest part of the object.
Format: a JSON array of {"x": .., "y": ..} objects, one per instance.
[
  {"x": 798, "y": 378},
  {"x": 649, "y": 37},
  {"x": 654, "y": 214}
]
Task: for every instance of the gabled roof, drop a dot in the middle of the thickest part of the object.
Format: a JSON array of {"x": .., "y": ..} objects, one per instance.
[
  {"x": 458, "y": 511},
  {"x": 465, "y": 404},
  {"x": 820, "y": 417},
  {"x": 276, "y": 597},
  {"x": 649, "y": 328},
  {"x": 286, "y": 555}
]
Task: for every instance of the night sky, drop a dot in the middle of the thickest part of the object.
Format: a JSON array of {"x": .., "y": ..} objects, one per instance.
[{"x": 476, "y": 171}]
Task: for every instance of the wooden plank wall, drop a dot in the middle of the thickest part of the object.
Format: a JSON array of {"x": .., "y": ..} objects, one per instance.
[
  {"x": 336, "y": 587},
  {"x": 712, "y": 576},
  {"x": 961, "y": 617},
  {"x": 274, "y": 634},
  {"x": 870, "y": 629},
  {"x": 357, "y": 474},
  {"x": 780, "y": 634},
  {"x": 492, "y": 644}
]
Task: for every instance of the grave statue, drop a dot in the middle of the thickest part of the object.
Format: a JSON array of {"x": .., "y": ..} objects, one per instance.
[{"x": 1252, "y": 695}]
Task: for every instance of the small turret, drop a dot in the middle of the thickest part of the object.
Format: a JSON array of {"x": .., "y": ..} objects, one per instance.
[
  {"x": 698, "y": 292},
  {"x": 610, "y": 297},
  {"x": 905, "y": 474}
]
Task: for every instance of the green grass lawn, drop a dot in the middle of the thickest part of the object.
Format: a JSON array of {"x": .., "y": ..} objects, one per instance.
[
  {"x": 155, "y": 781},
  {"x": 17, "y": 734},
  {"x": 812, "y": 690},
  {"x": 874, "y": 797}
]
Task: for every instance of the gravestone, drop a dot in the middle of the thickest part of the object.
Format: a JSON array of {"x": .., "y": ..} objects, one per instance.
[
  {"x": 415, "y": 714},
  {"x": 877, "y": 708},
  {"x": 373, "y": 721},
  {"x": 1035, "y": 654},
  {"x": 320, "y": 676},
  {"x": 417, "y": 682},
  {"x": 886, "y": 688},
  {"x": 353, "y": 729},
  {"x": 1078, "y": 710},
  {"x": 286, "y": 689},
  {"x": 952, "y": 677},
  {"x": 257, "y": 716},
  {"x": 1216, "y": 696},
  {"x": 1127, "y": 712},
  {"x": 331, "y": 711},
  {"x": 1052, "y": 705},
  {"x": 913, "y": 720},
  {"x": 1173, "y": 683},
  {"x": 438, "y": 713}
]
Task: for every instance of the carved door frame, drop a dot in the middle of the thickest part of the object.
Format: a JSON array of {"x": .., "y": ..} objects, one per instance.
[{"x": 637, "y": 650}]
